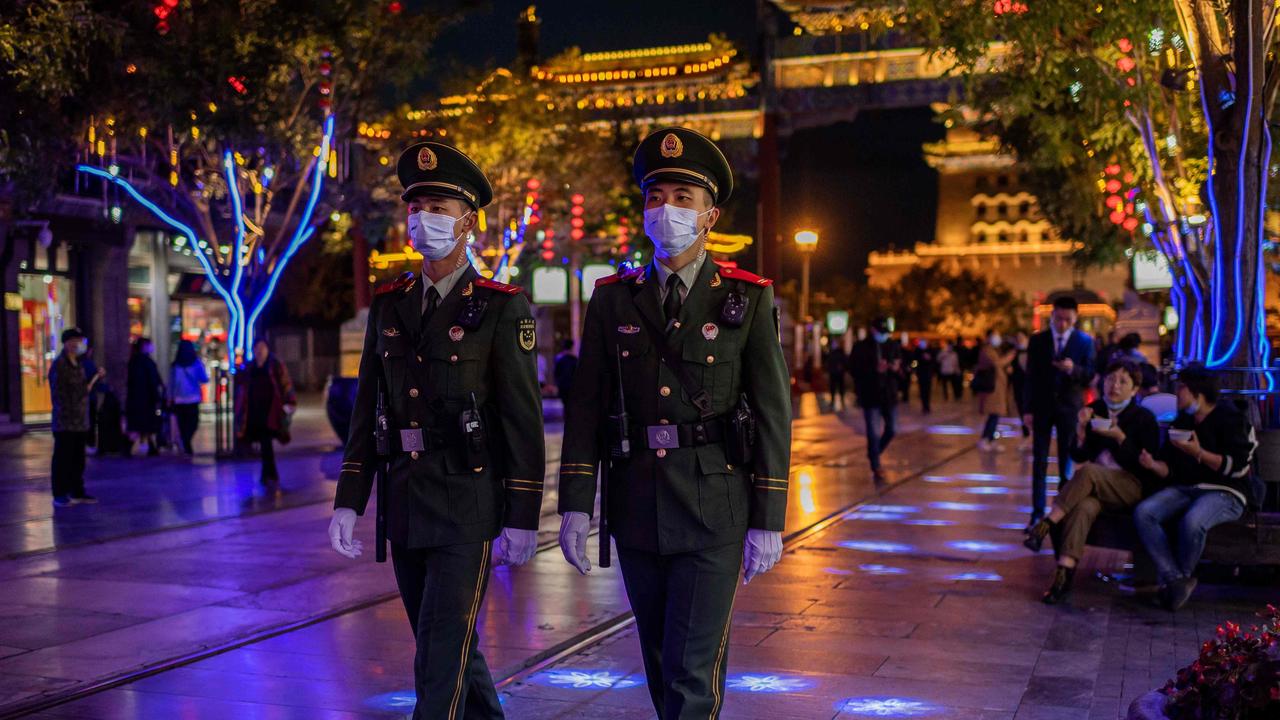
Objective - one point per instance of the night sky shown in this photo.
(863, 185)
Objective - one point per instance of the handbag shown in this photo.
(984, 381)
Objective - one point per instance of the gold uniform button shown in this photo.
(413, 423)
(413, 392)
(676, 324)
(414, 454)
(711, 359)
(386, 353)
(662, 452)
(664, 391)
(626, 353)
(728, 466)
(664, 421)
(453, 358)
(419, 358)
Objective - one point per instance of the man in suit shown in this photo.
(1060, 364)
(690, 346)
(451, 354)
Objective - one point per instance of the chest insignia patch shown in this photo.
(391, 332)
(628, 329)
(716, 281)
(456, 332)
(527, 335)
(710, 331)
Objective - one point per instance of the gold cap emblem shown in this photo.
(671, 146)
(426, 159)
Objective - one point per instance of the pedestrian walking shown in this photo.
(837, 366)
(696, 499)
(1059, 367)
(905, 369)
(69, 390)
(449, 362)
(1018, 385)
(876, 366)
(565, 366)
(949, 375)
(264, 406)
(991, 387)
(925, 364)
(187, 378)
(144, 395)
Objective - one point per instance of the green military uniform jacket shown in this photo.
(686, 498)
(436, 497)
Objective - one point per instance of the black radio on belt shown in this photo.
(743, 438)
(473, 435)
(734, 310)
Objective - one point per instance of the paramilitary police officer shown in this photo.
(453, 353)
(682, 371)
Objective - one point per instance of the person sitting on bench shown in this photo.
(1207, 463)
(1111, 434)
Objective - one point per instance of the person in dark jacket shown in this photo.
(566, 364)
(1208, 463)
(926, 366)
(69, 389)
(1111, 435)
(1059, 367)
(144, 393)
(837, 365)
(876, 365)
(264, 404)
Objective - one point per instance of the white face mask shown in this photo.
(432, 234)
(1116, 407)
(672, 229)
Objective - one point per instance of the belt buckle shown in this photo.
(662, 437)
(411, 440)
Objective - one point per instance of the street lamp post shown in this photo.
(806, 243)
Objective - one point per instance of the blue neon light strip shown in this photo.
(301, 234)
(186, 231)
(1264, 348)
(233, 189)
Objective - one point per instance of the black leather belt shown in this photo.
(694, 434)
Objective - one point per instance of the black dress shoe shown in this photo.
(1061, 586)
(1036, 534)
(1176, 594)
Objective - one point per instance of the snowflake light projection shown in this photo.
(589, 679)
(886, 707)
(878, 546)
(767, 683)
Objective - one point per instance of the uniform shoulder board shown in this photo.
(734, 273)
(500, 287)
(619, 277)
(399, 283)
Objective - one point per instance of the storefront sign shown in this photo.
(12, 301)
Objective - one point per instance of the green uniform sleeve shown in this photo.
(769, 391)
(355, 481)
(518, 402)
(584, 415)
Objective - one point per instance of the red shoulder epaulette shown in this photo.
(500, 287)
(734, 273)
(619, 277)
(399, 283)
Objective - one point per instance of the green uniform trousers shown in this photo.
(683, 605)
(443, 589)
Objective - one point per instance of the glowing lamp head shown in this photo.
(807, 240)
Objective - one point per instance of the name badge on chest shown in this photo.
(411, 440)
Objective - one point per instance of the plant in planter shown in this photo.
(1237, 676)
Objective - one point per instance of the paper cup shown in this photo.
(1180, 435)
(1100, 423)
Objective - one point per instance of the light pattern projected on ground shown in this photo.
(981, 546)
(976, 576)
(1011, 526)
(901, 509)
(880, 546)
(864, 515)
(768, 683)
(928, 522)
(886, 707)
(575, 679)
(951, 430)
(940, 479)
(837, 571)
(980, 477)
(394, 700)
(966, 507)
(875, 569)
(988, 490)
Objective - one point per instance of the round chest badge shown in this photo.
(455, 333)
(710, 331)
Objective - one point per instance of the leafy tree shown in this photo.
(1164, 105)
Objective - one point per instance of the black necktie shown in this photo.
(671, 306)
(433, 300)
(1062, 341)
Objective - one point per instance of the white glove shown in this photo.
(762, 551)
(574, 527)
(341, 527)
(516, 547)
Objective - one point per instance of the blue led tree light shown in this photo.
(240, 336)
